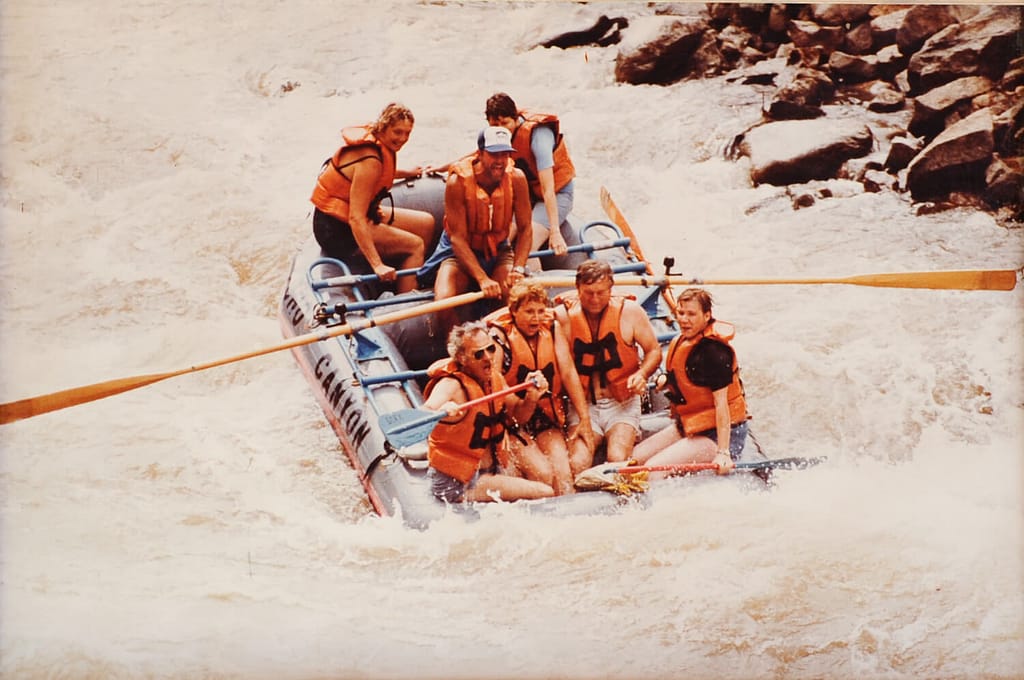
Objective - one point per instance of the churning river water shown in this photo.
(157, 159)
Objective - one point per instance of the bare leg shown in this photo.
(415, 222)
(655, 443)
(401, 249)
(620, 441)
(531, 462)
(552, 443)
(683, 451)
(450, 282)
(507, 488)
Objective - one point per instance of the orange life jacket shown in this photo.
(564, 170)
(456, 448)
(332, 190)
(606, 357)
(693, 406)
(522, 359)
(488, 216)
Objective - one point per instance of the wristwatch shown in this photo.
(519, 270)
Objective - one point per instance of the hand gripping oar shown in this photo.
(956, 279)
(616, 216)
(34, 406)
(411, 425)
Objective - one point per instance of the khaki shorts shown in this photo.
(608, 412)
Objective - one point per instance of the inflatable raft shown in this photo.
(360, 377)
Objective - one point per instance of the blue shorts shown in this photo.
(425, 274)
(447, 489)
(737, 438)
(563, 198)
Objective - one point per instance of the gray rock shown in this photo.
(852, 68)
(922, 22)
(886, 98)
(657, 50)
(884, 27)
(1004, 182)
(840, 14)
(859, 39)
(901, 151)
(955, 160)
(810, 34)
(980, 46)
(802, 96)
(792, 152)
(931, 107)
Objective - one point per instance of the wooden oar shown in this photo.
(411, 425)
(616, 216)
(955, 279)
(34, 406)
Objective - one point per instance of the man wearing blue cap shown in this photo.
(483, 194)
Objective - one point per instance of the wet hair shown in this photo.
(392, 113)
(460, 334)
(592, 271)
(702, 297)
(527, 291)
(500, 105)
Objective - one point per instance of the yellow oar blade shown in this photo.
(34, 406)
(54, 401)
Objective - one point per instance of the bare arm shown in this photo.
(571, 382)
(458, 231)
(524, 221)
(634, 317)
(446, 396)
(547, 189)
(723, 428)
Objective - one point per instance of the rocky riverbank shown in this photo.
(943, 85)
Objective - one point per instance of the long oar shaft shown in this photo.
(956, 279)
(34, 406)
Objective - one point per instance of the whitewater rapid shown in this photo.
(157, 160)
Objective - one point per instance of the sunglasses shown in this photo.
(478, 354)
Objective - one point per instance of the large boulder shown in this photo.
(980, 46)
(802, 96)
(922, 22)
(955, 160)
(852, 68)
(931, 107)
(1004, 182)
(658, 50)
(811, 34)
(884, 27)
(840, 14)
(793, 152)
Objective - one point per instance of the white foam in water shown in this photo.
(157, 164)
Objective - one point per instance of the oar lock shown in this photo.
(327, 315)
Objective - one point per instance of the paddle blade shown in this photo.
(961, 279)
(606, 477)
(781, 464)
(409, 426)
(54, 401)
